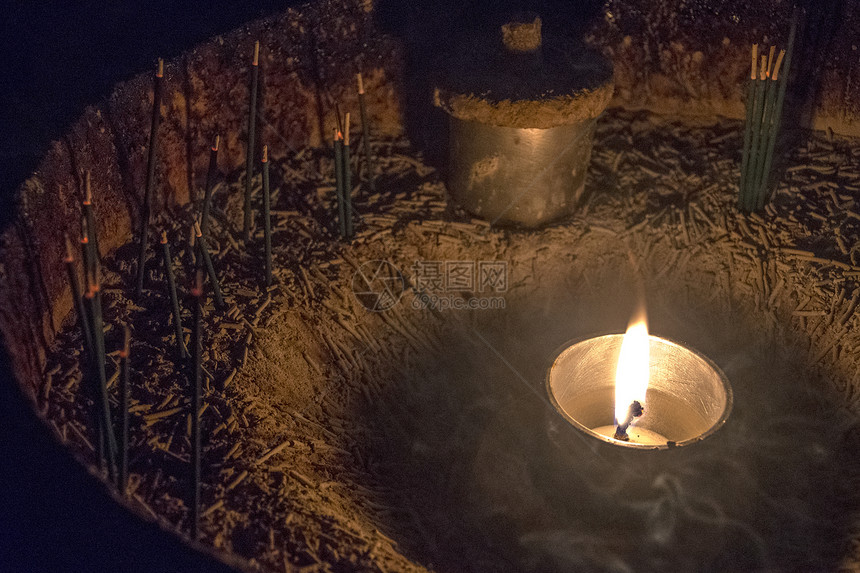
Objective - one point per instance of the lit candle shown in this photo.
(631, 387)
(638, 390)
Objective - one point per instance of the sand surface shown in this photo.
(340, 438)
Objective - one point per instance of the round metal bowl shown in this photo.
(518, 176)
(688, 399)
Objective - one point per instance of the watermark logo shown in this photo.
(443, 285)
(454, 276)
(378, 285)
(438, 285)
(444, 302)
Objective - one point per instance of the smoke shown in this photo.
(499, 481)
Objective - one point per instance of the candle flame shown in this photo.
(631, 376)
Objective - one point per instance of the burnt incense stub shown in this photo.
(523, 107)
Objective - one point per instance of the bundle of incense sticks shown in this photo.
(764, 100)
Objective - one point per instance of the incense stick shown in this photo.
(210, 182)
(761, 87)
(197, 350)
(89, 216)
(210, 268)
(365, 136)
(146, 209)
(89, 379)
(338, 182)
(191, 251)
(86, 257)
(123, 405)
(83, 319)
(174, 300)
(267, 221)
(102, 401)
(249, 154)
(347, 180)
(751, 93)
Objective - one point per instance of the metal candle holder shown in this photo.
(689, 398)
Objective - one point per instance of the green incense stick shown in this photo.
(210, 182)
(750, 100)
(756, 135)
(267, 222)
(89, 379)
(90, 217)
(174, 299)
(197, 351)
(123, 405)
(210, 268)
(94, 296)
(347, 180)
(83, 319)
(365, 136)
(191, 251)
(249, 154)
(338, 182)
(146, 210)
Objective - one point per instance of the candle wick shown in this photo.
(634, 411)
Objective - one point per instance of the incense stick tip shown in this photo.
(197, 287)
(256, 53)
(160, 72)
(754, 61)
(126, 341)
(70, 257)
(265, 154)
(346, 129)
(777, 65)
(360, 84)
